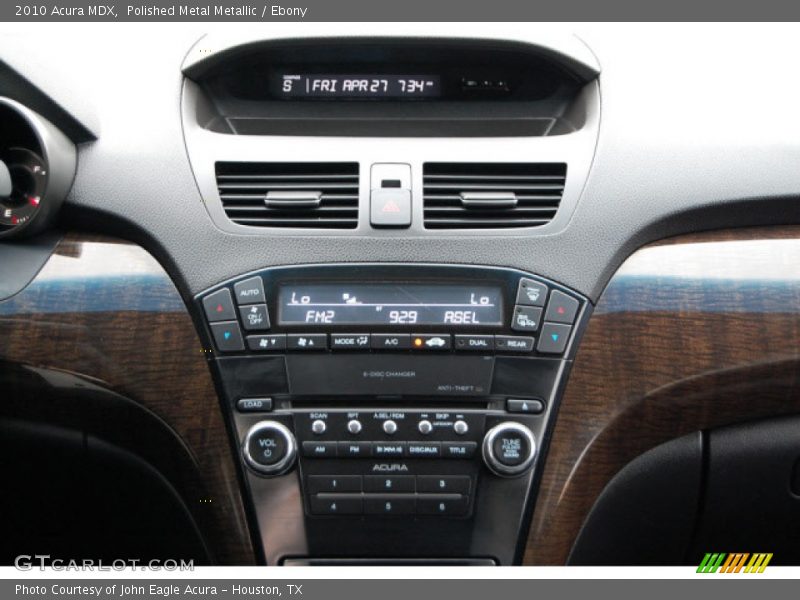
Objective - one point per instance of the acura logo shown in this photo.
(385, 467)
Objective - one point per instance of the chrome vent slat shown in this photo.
(494, 177)
(243, 189)
(283, 211)
(465, 186)
(286, 176)
(280, 185)
(538, 188)
(518, 211)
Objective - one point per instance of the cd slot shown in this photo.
(396, 374)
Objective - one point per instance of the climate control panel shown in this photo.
(391, 411)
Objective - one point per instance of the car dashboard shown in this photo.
(480, 295)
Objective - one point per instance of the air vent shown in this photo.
(314, 195)
(491, 195)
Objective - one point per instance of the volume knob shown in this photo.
(269, 448)
(509, 449)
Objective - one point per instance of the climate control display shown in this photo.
(390, 304)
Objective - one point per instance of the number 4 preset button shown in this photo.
(337, 504)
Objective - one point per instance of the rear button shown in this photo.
(513, 343)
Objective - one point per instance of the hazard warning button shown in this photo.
(390, 208)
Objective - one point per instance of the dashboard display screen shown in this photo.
(390, 304)
(305, 85)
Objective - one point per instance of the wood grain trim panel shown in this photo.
(693, 332)
(106, 309)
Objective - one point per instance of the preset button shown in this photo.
(336, 504)
(394, 483)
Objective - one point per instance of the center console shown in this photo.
(391, 412)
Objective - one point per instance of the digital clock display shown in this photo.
(390, 304)
(305, 85)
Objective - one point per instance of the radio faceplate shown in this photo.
(363, 435)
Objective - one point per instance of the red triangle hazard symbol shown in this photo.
(390, 207)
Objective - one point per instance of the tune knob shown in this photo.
(269, 448)
(509, 449)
